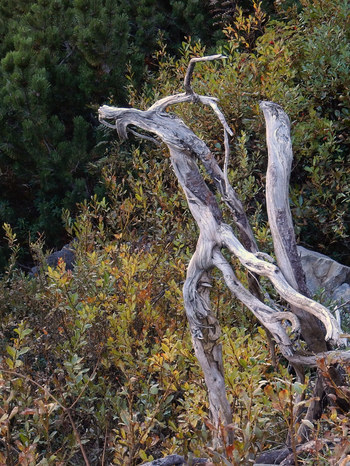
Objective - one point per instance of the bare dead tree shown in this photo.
(317, 325)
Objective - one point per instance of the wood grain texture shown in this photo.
(186, 152)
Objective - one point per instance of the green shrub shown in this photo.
(303, 65)
(96, 362)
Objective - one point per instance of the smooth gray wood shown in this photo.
(280, 157)
(186, 151)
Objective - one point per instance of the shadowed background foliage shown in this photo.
(104, 348)
(60, 60)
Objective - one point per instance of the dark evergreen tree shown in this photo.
(60, 60)
(40, 154)
(101, 36)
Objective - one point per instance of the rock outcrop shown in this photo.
(66, 253)
(322, 272)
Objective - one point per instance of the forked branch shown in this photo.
(186, 150)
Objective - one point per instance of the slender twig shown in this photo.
(105, 123)
(86, 384)
(64, 408)
(336, 308)
(143, 136)
(104, 447)
(227, 156)
(70, 51)
(190, 68)
(291, 428)
(211, 102)
(77, 436)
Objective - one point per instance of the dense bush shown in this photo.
(60, 60)
(96, 362)
(302, 64)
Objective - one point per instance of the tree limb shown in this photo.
(186, 150)
(280, 156)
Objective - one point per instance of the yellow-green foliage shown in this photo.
(97, 361)
(101, 357)
(302, 62)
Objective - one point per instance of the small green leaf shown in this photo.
(24, 439)
(26, 332)
(11, 351)
(10, 363)
(154, 389)
(23, 350)
(143, 455)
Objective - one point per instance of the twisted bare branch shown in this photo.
(186, 150)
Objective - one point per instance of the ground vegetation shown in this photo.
(96, 362)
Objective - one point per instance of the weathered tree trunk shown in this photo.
(186, 150)
(280, 217)
(280, 156)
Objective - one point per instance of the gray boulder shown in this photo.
(66, 253)
(322, 272)
(342, 293)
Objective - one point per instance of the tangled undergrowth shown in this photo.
(97, 363)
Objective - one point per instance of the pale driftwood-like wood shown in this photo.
(280, 157)
(177, 460)
(186, 150)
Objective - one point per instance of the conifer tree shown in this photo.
(40, 153)
(60, 60)
(101, 36)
